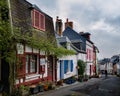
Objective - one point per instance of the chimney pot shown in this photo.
(67, 20)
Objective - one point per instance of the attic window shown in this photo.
(38, 20)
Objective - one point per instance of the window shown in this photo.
(31, 64)
(68, 66)
(42, 61)
(38, 20)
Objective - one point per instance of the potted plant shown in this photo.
(46, 86)
(34, 89)
(60, 82)
(51, 86)
(80, 78)
(24, 90)
(86, 77)
(41, 87)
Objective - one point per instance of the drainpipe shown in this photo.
(11, 27)
(10, 15)
(0, 66)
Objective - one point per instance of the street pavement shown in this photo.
(103, 86)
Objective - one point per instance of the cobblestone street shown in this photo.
(93, 87)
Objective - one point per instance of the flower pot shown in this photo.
(34, 90)
(41, 88)
(46, 87)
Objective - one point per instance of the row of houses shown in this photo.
(36, 66)
(112, 65)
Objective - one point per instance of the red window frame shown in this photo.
(31, 60)
(42, 68)
(38, 20)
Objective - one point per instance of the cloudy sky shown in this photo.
(99, 17)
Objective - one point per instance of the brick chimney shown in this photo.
(59, 26)
(85, 35)
(68, 23)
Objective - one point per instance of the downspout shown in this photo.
(11, 28)
(10, 16)
(0, 66)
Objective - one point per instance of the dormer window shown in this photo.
(38, 20)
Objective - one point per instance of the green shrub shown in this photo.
(81, 67)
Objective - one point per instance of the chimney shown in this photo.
(85, 35)
(68, 23)
(59, 26)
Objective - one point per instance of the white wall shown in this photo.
(81, 56)
(102, 67)
(118, 68)
(68, 74)
(109, 67)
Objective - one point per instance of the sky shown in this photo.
(101, 18)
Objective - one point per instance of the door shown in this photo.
(5, 75)
(50, 68)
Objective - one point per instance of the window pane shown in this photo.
(36, 19)
(27, 60)
(42, 61)
(32, 63)
(42, 21)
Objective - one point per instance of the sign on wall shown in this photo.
(20, 49)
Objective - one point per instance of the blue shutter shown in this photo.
(65, 66)
(71, 67)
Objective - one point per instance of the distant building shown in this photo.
(105, 64)
(115, 61)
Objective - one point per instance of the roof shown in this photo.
(34, 6)
(63, 39)
(104, 61)
(75, 37)
(72, 35)
(114, 59)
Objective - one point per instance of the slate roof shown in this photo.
(72, 35)
(63, 39)
(114, 59)
(75, 37)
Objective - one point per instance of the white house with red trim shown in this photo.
(33, 65)
(89, 54)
